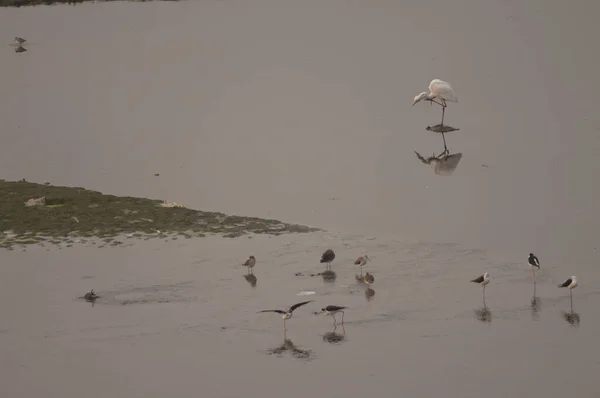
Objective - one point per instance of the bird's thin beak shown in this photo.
(414, 102)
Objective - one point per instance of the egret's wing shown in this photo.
(442, 89)
(293, 307)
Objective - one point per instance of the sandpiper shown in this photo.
(332, 310)
(287, 314)
(369, 279)
(19, 40)
(328, 257)
(362, 261)
(533, 262)
(250, 263)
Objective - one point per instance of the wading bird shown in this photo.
(361, 262)
(328, 257)
(287, 314)
(369, 279)
(533, 262)
(332, 310)
(250, 263)
(483, 280)
(438, 90)
(19, 41)
(571, 283)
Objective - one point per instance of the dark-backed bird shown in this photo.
(250, 263)
(533, 262)
(571, 283)
(482, 280)
(332, 310)
(19, 40)
(369, 279)
(327, 258)
(287, 314)
(362, 261)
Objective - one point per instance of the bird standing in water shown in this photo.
(332, 310)
(438, 90)
(483, 280)
(19, 41)
(250, 263)
(533, 262)
(361, 262)
(287, 314)
(327, 258)
(369, 279)
(571, 283)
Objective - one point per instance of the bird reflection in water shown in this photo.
(333, 337)
(20, 49)
(536, 306)
(572, 317)
(483, 315)
(251, 279)
(288, 347)
(443, 164)
(369, 294)
(442, 129)
(328, 276)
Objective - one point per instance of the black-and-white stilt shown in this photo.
(361, 262)
(250, 263)
(571, 283)
(483, 280)
(332, 310)
(327, 258)
(369, 279)
(533, 262)
(288, 313)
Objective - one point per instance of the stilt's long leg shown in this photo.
(342, 317)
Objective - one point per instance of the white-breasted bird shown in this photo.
(287, 314)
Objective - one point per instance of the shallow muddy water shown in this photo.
(301, 112)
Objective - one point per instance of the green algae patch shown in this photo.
(67, 213)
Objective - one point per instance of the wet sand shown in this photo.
(301, 112)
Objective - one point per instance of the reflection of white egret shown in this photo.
(438, 90)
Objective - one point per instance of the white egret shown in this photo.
(438, 90)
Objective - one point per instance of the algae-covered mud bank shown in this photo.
(22, 3)
(34, 213)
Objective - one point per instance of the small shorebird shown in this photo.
(332, 310)
(483, 280)
(533, 262)
(287, 314)
(438, 90)
(250, 263)
(361, 262)
(571, 283)
(90, 297)
(19, 41)
(328, 257)
(369, 279)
